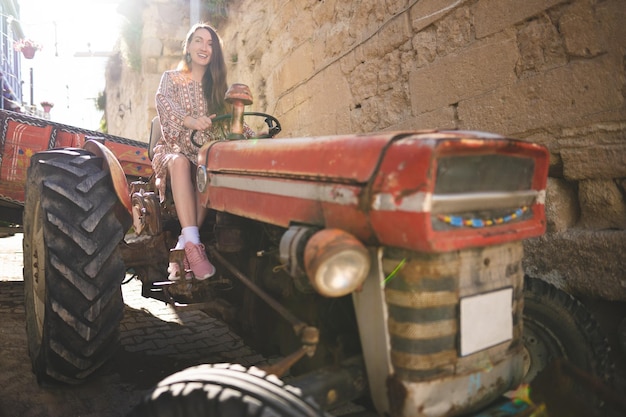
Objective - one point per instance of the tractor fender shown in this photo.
(112, 165)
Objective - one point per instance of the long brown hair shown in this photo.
(214, 84)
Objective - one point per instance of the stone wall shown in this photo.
(548, 71)
(130, 91)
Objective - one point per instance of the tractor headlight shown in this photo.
(335, 262)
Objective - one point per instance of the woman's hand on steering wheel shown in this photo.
(199, 123)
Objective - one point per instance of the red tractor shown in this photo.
(384, 266)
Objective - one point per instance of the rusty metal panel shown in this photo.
(343, 159)
(383, 188)
(21, 136)
(423, 294)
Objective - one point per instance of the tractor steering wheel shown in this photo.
(272, 123)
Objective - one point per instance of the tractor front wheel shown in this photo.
(225, 390)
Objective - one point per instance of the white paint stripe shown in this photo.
(415, 203)
(335, 193)
(341, 194)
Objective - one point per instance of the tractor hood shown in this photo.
(427, 190)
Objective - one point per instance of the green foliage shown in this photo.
(101, 101)
(215, 11)
(103, 125)
(132, 30)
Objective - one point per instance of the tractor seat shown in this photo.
(155, 135)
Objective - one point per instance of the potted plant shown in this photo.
(46, 106)
(28, 47)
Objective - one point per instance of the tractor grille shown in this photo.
(424, 304)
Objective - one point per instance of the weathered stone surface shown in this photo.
(612, 15)
(491, 16)
(540, 47)
(151, 47)
(561, 205)
(581, 262)
(425, 45)
(394, 34)
(549, 71)
(425, 12)
(602, 205)
(581, 30)
(596, 152)
(295, 69)
(441, 118)
(328, 97)
(466, 74)
(554, 98)
(398, 107)
(390, 72)
(454, 31)
(364, 82)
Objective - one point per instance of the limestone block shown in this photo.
(296, 68)
(425, 46)
(540, 47)
(602, 205)
(150, 65)
(328, 109)
(407, 57)
(612, 15)
(558, 97)
(581, 262)
(390, 71)
(348, 62)
(395, 106)
(454, 31)
(166, 63)
(365, 117)
(364, 82)
(474, 71)
(581, 31)
(593, 158)
(172, 14)
(441, 118)
(172, 47)
(369, 15)
(396, 32)
(397, 6)
(332, 11)
(491, 16)
(561, 205)
(425, 12)
(336, 40)
(151, 47)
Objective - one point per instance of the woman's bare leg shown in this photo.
(189, 216)
(183, 191)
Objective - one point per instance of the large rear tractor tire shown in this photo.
(224, 390)
(72, 266)
(557, 326)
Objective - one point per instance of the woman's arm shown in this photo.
(171, 114)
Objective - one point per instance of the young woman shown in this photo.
(186, 101)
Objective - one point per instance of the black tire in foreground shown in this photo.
(224, 390)
(557, 326)
(72, 266)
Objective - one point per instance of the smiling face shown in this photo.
(200, 47)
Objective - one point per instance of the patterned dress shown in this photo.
(179, 96)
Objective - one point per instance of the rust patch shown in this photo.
(396, 393)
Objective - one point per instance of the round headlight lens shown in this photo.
(336, 262)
